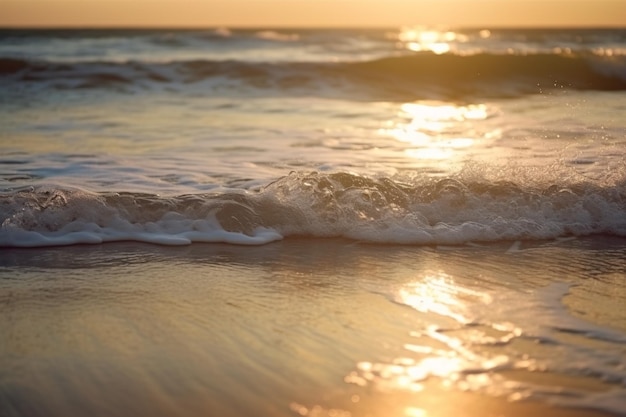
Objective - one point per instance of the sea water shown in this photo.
(395, 136)
(448, 139)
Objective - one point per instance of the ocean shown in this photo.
(338, 222)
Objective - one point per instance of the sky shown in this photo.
(311, 13)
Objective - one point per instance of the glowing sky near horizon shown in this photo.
(311, 13)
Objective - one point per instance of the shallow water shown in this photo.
(314, 328)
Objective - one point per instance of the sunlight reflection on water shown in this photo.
(419, 39)
(436, 131)
(449, 353)
(439, 294)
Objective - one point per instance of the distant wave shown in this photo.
(429, 211)
(485, 75)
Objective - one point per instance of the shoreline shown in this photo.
(304, 327)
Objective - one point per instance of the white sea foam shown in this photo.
(24, 238)
(52, 216)
(449, 211)
(446, 211)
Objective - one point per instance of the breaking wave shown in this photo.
(431, 211)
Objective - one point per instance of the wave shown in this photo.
(454, 210)
(489, 75)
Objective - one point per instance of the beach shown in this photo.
(409, 221)
(314, 328)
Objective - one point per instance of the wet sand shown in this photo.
(313, 328)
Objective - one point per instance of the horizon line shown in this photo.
(307, 27)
